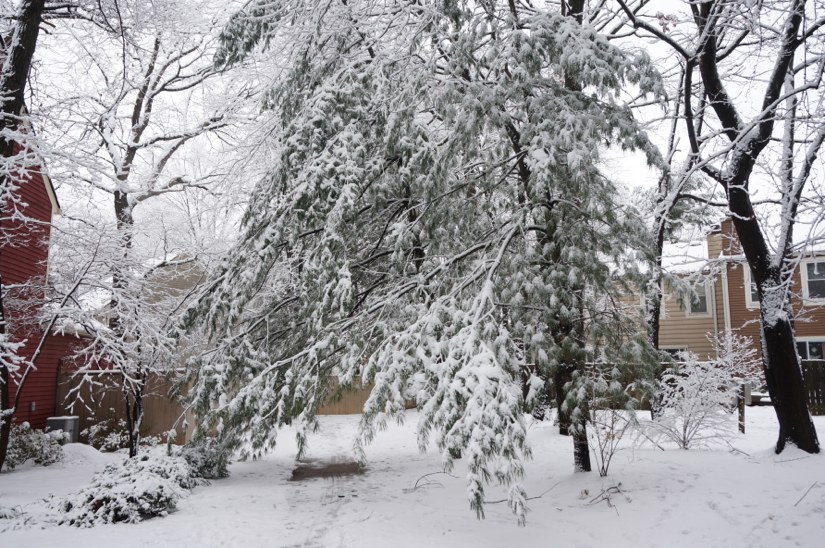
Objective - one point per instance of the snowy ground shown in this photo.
(748, 497)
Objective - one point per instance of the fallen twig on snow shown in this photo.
(606, 494)
(806, 492)
(419, 484)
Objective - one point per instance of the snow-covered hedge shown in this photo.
(207, 459)
(112, 434)
(136, 489)
(149, 485)
(26, 443)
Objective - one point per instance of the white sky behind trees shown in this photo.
(69, 88)
(208, 220)
(745, 82)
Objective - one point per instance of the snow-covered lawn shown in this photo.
(747, 497)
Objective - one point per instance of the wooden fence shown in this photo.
(814, 373)
(98, 398)
(101, 400)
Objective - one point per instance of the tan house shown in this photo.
(723, 298)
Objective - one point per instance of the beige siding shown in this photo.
(715, 245)
(174, 280)
(680, 329)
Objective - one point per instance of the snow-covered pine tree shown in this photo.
(434, 221)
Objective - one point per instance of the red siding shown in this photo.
(26, 256)
(23, 257)
(41, 386)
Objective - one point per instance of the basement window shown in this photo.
(811, 350)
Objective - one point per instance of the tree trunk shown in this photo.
(581, 448)
(653, 315)
(783, 372)
(782, 369)
(19, 54)
(134, 419)
(787, 388)
(6, 413)
(563, 375)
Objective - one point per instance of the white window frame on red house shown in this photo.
(803, 275)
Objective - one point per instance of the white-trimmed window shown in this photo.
(699, 300)
(751, 293)
(813, 279)
(810, 348)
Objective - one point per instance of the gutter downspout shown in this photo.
(725, 297)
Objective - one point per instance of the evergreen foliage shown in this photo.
(131, 491)
(435, 223)
(44, 448)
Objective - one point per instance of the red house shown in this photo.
(24, 254)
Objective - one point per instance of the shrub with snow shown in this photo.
(697, 398)
(611, 404)
(136, 489)
(207, 458)
(111, 434)
(107, 435)
(27, 443)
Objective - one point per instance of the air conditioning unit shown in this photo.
(69, 424)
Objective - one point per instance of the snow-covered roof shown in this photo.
(684, 257)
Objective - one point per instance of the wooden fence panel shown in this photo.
(101, 399)
(814, 373)
(351, 402)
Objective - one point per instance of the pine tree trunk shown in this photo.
(564, 374)
(581, 447)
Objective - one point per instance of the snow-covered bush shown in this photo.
(611, 404)
(697, 398)
(112, 434)
(207, 458)
(108, 435)
(738, 355)
(607, 428)
(136, 489)
(27, 443)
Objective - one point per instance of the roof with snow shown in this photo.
(684, 257)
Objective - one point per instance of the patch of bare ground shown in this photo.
(326, 469)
